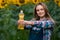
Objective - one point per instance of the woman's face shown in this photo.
(40, 11)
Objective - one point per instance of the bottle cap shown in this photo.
(21, 11)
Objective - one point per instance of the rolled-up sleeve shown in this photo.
(27, 26)
(44, 24)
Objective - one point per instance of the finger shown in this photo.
(18, 21)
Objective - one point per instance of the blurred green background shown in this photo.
(9, 18)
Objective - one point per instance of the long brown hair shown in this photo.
(47, 15)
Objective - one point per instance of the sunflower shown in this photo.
(2, 3)
(18, 2)
(57, 2)
(2, 6)
(26, 1)
(8, 1)
(14, 1)
(35, 1)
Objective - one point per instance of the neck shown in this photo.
(42, 18)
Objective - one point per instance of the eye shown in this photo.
(41, 9)
(37, 10)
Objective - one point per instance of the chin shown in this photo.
(41, 15)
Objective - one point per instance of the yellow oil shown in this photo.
(21, 17)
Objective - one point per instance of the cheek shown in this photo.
(43, 11)
(37, 12)
(41, 14)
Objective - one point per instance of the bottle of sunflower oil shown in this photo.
(21, 17)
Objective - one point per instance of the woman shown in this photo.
(41, 25)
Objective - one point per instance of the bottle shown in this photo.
(21, 17)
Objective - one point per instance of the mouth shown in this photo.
(40, 14)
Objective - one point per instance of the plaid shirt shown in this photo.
(42, 28)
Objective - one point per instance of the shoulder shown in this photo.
(50, 22)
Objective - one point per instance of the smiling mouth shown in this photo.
(40, 13)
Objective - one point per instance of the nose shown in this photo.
(39, 10)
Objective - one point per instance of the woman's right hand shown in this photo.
(20, 21)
